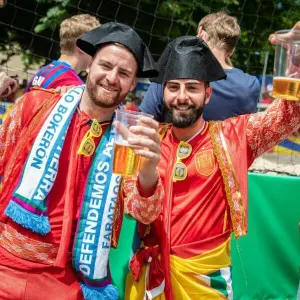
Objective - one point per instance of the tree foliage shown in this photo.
(30, 28)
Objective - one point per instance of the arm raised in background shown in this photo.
(267, 129)
(289, 36)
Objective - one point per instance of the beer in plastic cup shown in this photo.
(286, 79)
(126, 162)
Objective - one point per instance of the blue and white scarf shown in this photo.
(28, 205)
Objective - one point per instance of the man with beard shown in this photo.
(185, 252)
(60, 203)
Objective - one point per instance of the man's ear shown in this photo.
(202, 34)
(79, 50)
(208, 92)
(199, 32)
(133, 85)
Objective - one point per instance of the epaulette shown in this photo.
(36, 88)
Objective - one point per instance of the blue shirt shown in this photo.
(237, 95)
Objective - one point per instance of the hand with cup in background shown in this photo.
(273, 40)
(7, 85)
(137, 148)
(286, 80)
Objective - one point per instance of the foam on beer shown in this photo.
(286, 78)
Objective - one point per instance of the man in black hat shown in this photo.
(60, 203)
(203, 167)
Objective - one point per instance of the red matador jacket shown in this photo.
(235, 143)
(17, 135)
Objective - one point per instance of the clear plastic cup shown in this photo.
(126, 162)
(286, 79)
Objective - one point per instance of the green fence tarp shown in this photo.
(266, 261)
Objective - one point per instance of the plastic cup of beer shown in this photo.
(286, 79)
(126, 162)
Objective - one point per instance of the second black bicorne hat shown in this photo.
(114, 32)
(188, 57)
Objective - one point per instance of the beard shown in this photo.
(100, 97)
(184, 119)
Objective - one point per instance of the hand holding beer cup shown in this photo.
(137, 143)
(286, 80)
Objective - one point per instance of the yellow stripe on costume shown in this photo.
(135, 290)
(188, 276)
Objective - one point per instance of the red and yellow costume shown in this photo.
(27, 258)
(185, 253)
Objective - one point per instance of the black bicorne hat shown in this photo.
(114, 32)
(188, 57)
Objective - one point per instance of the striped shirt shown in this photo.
(55, 74)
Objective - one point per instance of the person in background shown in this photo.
(3, 3)
(237, 95)
(72, 60)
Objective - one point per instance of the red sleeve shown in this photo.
(266, 129)
(145, 210)
(10, 131)
(18, 118)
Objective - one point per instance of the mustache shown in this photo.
(112, 87)
(107, 85)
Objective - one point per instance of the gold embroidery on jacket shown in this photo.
(233, 194)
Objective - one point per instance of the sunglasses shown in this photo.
(184, 150)
(87, 146)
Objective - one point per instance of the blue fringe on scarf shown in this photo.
(107, 292)
(38, 224)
